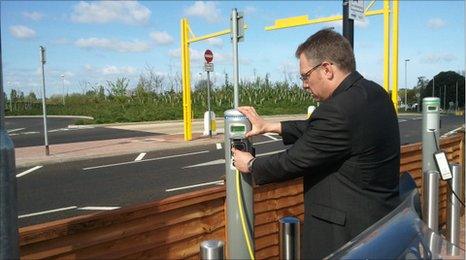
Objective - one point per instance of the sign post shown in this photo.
(44, 109)
(356, 10)
(208, 67)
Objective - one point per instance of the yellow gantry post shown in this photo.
(304, 20)
(186, 80)
(386, 45)
(395, 56)
(186, 71)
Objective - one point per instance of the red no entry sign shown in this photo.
(208, 56)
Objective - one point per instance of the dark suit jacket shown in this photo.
(348, 154)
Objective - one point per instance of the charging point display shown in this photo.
(240, 214)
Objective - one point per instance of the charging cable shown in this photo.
(242, 216)
(449, 184)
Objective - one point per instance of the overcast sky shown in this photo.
(91, 41)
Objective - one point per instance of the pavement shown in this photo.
(168, 135)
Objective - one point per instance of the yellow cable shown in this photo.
(241, 213)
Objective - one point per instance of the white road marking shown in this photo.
(98, 208)
(140, 156)
(270, 136)
(64, 129)
(27, 133)
(14, 130)
(57, 130)
(29, 171)
(453, 131)
(46, 212)
(197, 185)
(214, 162)
(219, 146)
(402, 120)
(222, 161)
(80, 126)
(269, 153)
(152, 159)
(268, 141)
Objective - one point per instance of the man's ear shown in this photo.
(329, 72)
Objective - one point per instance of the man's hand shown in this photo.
(259, 125)
(241, 160)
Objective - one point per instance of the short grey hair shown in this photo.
(328, 45)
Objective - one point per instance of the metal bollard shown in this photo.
(453, 215)
(289, 238)
(431, 198)
(212, 249)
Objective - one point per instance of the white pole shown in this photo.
(44, 109)
(406, 84)
(208, 105)
(456, 96)
(433, 86)
(444, 97)
(11, 106)
(234, 29)
(63, 89)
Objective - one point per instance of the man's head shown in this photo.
(325, 59)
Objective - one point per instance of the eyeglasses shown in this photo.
(306, 75)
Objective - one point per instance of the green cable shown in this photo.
(241, 213)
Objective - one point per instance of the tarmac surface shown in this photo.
(166, 135)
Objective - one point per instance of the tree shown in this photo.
(150, 81)
(445, 88)
(118, 90)
(119, 87)
(201, 85)
(13, 98)
(227, 81)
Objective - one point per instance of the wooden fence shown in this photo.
(174, 227)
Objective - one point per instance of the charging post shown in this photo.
(236, 126)
(240, 198)
(430, 175)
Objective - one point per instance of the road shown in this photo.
(29, 131)
(68, 189)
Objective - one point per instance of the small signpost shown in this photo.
(209, 67)
(356, 10)
(208, 56)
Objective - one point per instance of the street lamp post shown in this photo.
(456, 104)
(433, 86)
(11, 106)
(406, 84)
(63, 88)
(444, 97)
(44, 110)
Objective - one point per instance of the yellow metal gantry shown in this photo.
(186, 71)
(304, 20)
(395, 55)
(186, 80)
(294, 22)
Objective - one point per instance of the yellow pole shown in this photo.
(185, 74)
(395, 55)
(386, 44)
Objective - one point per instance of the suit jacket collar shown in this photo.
(347, 82)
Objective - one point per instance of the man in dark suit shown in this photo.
(348, 151)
